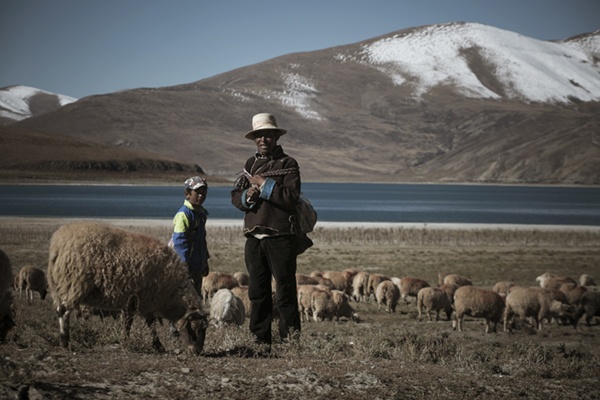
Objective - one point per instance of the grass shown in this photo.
(383, 356)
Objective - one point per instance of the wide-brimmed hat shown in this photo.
(195, 182)
(264, 121)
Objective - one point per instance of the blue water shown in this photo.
(343, 202)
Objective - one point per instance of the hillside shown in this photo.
(445, 103)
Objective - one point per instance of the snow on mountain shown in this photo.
(15, 101)
(526, 69)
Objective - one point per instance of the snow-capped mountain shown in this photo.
(20, 102)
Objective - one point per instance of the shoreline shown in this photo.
(233, 223)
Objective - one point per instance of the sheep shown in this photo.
(589, 304)
(242, 293)
(337, 279)
(573, 293)
(372, 283)
(434, 299)
(215, 281)
(360, 286)
(242, 278)
(387, 293)
(327, 304)
(477, 303)
(227, 309)
(32, 279)
(552, 281)
(454, 279)
(502, 287)
(108, 268)
(586, 280)
(349, 274)
(304, 299)
(449, 289)
(410, 287)
(536, 303)
(6, 298)
(302, 279)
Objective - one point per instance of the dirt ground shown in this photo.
(383, 356)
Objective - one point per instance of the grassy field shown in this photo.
(382, 356)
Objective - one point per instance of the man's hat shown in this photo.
(195, 183)
(264, 121)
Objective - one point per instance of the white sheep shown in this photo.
(327, 304)
(552, 281)
(107, 268)
(6, 298)
(502, 287)
(215, 281)
(410, 286)
(536, 303)
(32, 279)
(477, 303)
(387, 293)
(586, 280)
(434, 299)
(360, 286)
(227, 309)
(373, 281)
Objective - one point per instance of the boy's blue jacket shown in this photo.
(189, 236)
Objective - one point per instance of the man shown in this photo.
(268, 193)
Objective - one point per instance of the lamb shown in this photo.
(242, 278)
(502, 287)
(552, 281)
(449, 289)
(434, 299)
(337, 279)
(32, 279)
(454, 279)
(6, 298)
(536, 303)
(302, 279)
(215, 281)
(477, 303)
(387, 293)
(360, 286)
(327, 304)
(410, 287)
(349, 274)
(242, 293)
(227, 309)
(107, 268)
(304, 299)
(586, 280)
(589, 304)
(573, 293)
(372, 283)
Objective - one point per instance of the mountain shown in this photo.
(20, 102)
(458, 102)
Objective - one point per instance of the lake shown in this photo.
(335, 202)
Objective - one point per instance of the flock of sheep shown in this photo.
(97, 266)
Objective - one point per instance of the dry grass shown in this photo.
(383, 356)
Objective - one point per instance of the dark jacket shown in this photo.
(273, 213)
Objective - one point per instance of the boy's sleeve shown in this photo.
(180, 241)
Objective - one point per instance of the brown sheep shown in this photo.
(434, 299)
(589, 304)
(573, 293)
(536, 303)
(477, 303)
(6, 298)
(502, 287)
(372, 283)
(215, 281)
(327, 304)
(552, 281)
(387, 293)
(304, 300)
(337, 279)
(586, 280)
(32, 279)
(107, 268)
(242, 278)
(360, 286)
(242, 293)
(449, 289)
(410, 287)
(349, 274)
(302, 279)
(454, 279)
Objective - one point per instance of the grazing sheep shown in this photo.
(302, 279)
(6, 298)
(449, 289)
(242, 293)
(337, 279)
(536, 303)
(327, 304)
(454, 279)
(573, 293)
(502, 287)
(349, 274)
(552, 281)
(242, 278)
(214, 281)
(360, 286)
(410, 287)
(387, 293)
(434, 299)
(372, 283)
(477, 303)
(304, 300)
(227, 309)
(589, 304)
(108, 268)
(586, 280)
(32, 279)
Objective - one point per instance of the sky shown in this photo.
(80, 48)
